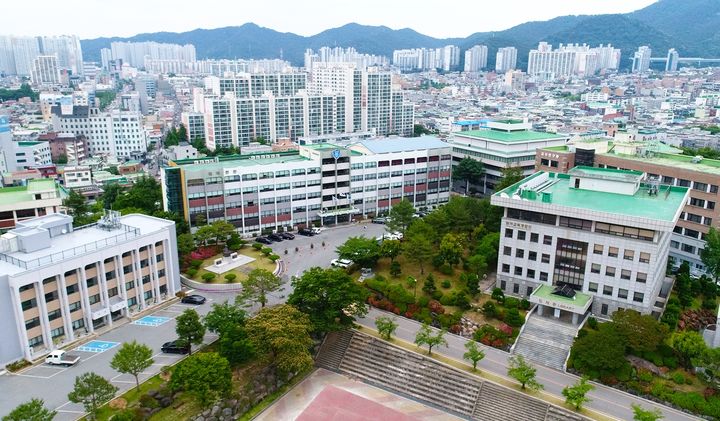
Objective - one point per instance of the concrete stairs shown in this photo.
(545, 341)
(500, 403)
(333, 349)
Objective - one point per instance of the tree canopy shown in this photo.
(132, 358)
(361, 250)
(710, 255)
(600, 352)
(91, 390)
(523, 372)
(511, 175)
(468, 170)
(145, 194)
(576, 395)
(32, 410)
(189, 328)
(258, 284)
(642, 333)
(224, 316)
(400, 216)
(206, 375)
(425, 336)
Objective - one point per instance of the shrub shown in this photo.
(230, 277)
(377, 283)
(423, 302)
(524, 304)
(678, 378)
(462, 300)
(273, 257)
(424, 316)
(446, 284)
(709, 304)
(645, 376)
(195, 263)
(437, 295)
(147, 401)
(670, 362)
(447, 300)
(489, 309)
(395, 269)
(436, 307)
(592, 323)
(397, 294)
(512, 318)
(266, 251)
(257, 246)
(488, 335)
(17, 365)
(207, 277)
(191, 272)
(429, 285)
(511, 302)
(446, 269)
(498, 295)
(438, 261)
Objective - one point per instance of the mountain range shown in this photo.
(690, 26)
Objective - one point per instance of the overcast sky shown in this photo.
(438, 18)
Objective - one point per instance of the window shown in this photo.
(161, 273)
(516, 288)
(532, 255)
(144, 263)
(72, 289)
(613, 251)
(623, 231)
(77, 324)
(508, 233)
(581, 224)
(91, 282)
(608, 290)
(528, 291)
(593, 287)
(534, 238)
(531, 273)
(75, 306)
(644, 257)
(503, 285)
(687, 248)
(506, 268)
(57, 332)
(638, 297)
(28, 304)
(598, 249)
(38, 340)
(129, 285)
(629, 255)
(622, 293)
(545, 258)
(521, 235)
(543, 276)
(160, 257)
(519, 253)
(604, 309)
(112, 292)
(625, 274)
(518, 271)
(595, 268)
(641, 277)
(547, 240)
(94, 299)
(29, 324)
(700, 186)
(713, 189)
(610, 271)
(507, 251)
(51, 296)
(127, 269)
(145, 279)
(55, 314)
(110, 275)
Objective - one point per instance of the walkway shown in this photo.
(604, 399)
(545, 341)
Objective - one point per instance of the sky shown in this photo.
(437, 18)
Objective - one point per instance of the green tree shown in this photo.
(205, 375)
(361, 250)
(224, 316)
(330, 297)
(235, 344)
(709, 360)
(182, 133)
(222, 231)
(185, 244)
(468, 170)
(576, 395)
(523, 372)
(419, 130)
(110, 195)
(689, 345)
(511, 175)
(425, 336)
(145, 194)
(478, 264)
(642, 333)
(391, 249)
(451, 248)
(600, 352)
(385, 327)
(283, 333)
(91, 390)
(473, 353)
(641, 414)
(418, 249)
(132, 358)
(204, 234)
(710, 255)
(62, 159)
(400, 216)
(258, 284)
(77, 207)
(189, 328)
(32, 410)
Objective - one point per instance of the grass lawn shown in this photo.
(241, 272)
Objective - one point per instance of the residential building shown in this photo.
(324, 183)
(446, 58)
(135, 53)
(45, 71)
(59, 283)
(66, 145)
(476, 58)
(37, 197)
(339, 55)
(592, 240)
(566, 60)
(641, 59)
(182, 151)
(194, 125)
(505, 59)
(66, 49)
(17, 54)
(77, 177)
(505, 143)
(608, 57)
(671, 64)
(20, 155)
(24, 50)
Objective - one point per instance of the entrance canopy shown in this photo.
(544, 295)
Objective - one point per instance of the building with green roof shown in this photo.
(39, 197)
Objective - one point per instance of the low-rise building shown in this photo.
(66, 145)
(39, 197)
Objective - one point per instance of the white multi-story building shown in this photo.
(67, 49)
(571, 60)
(505, 59)
(608, 57)
(592, 240)
(339, 55)
(45, 71)
(77, 177)
(641, 59)
(446, 58)
(115, 132)
(24, 49)
(37, 197)
(18, 53)
(671, 64)
(194, 125)
(59, 283)
(476, 58)
(134, 53)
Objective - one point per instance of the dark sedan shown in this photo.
(275, 237)
(306, 232)
(175, 347)
(193, 299)
(263, 240)
(287, 236)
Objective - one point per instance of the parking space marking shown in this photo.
(97, 346)
(152, 321)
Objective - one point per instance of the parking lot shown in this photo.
(53, 383)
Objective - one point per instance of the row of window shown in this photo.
(622, 293)
(582, 224)
(534, 237)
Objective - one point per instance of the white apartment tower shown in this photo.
(45, 71)
(505, 59)
(671, 64)
(476, 58)
(641, 59)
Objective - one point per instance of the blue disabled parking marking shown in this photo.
(97, 346)
(153, 321)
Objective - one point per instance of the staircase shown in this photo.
(500, 403)
(333, 349)
(546, 341)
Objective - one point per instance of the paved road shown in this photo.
(604, 399)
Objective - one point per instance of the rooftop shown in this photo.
(10, 195)
(235, 163)
(556, 189)
(404, 144)
(546, 292)
(606, 174)
(510, 137)
(708, 166)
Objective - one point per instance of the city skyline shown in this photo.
(397, 15)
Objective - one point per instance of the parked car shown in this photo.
(263, 240)
(193, 299)
(60, 357)
(175, 347)
(275, 237)
(317, 230)
(380, 220)
(287, 236)
(306, 232)
(341, 263)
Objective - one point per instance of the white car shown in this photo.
(341, 263)
(394, 236)
(316, 230)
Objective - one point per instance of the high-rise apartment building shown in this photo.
(446, 58)
(67, 50)
(608, 57)
(45, 71)
(194, 125)
(641, 59)
(671, 64)
(571, 60)
(476, 58)
(17, 54)
(505, 59)
(25, 49)
(135, 53)
(339, 55)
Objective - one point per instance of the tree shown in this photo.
(600, 352)
(468, 170)
(330, 297)
(451, 248)
(145, 194)
(110, 195)
(642, 333)
(91, 390)
(523, 372)
(361, 250)
(206, 375)
(132, 358)
(283, 333)
(576, 395)
(473, 353)
(62, 159)
(189, 328)
(710, 255)
(400, 216)
(425, 336)
(511, 175)
(204, 234)
(418, 249)
(32, 410)
(386, 327)
(258, 284)
(77, 207)
(185, 244)
(235, 344)
(391, 249)
(222, 231)
(710, 363)
(641, 414)
(224, 316)
(688, 344)
(478, 264)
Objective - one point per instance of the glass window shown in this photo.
(613, 251)
(507, 251)
(518, 271)
(593, 287)
(608, 290)
(622, 293)
(543, 276)
(545, 258)
(598, 249)
(641, 277)
(521, 235)
(644, 257)
(595, 268)
(516, 288)
(534, 238)
(610, 271)
(532, 255)
(638, 297)
(625, 274)
(531, 273)
(519, 253)
(547, 240)
(506, 268)
(508, 233)
(629, 255)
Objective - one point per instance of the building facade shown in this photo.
(45, 71)
(476, 58)
(38, 197)
(641, 59)
(58, 284)
(589, 241)
(505, 59)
